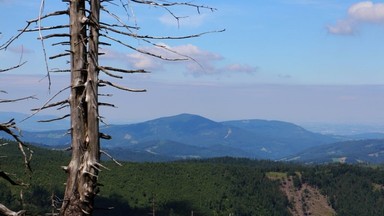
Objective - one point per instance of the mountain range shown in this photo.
(353, 151)
(191, 136)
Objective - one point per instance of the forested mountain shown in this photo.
(187, 136)
(193, 136)
(219, 186)
(354, 151)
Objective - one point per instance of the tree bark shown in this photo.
(83, 168)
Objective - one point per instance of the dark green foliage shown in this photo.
(6, 196)
(204, 188)
(218, 186)
(352, 190)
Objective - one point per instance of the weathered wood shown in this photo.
(72, 204)
(7, 212)
(84, 165)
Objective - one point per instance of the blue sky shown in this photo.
(291, 60)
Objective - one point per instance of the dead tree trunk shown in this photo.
(84, 165)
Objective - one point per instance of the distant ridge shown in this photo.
(352, 151)
(194, 136)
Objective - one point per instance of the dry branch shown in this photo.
(105, 136)
(107, 104)
(12, 39)
(7, 212)
(143, 51)
(120, 87)
(63, 43)
(59, 55)
(60, 71)
(117, 19)
(48, 105)
(159, 37)
(110, 74)
(51, 105)
(122, 70)
(55, 119)
(53, 35)
(46, 28)
(6, 177)
(170, 4)
(113, 159)
(56, 13)
(19, 99)
(7, 128)
(14, 67)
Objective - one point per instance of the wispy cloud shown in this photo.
(201, 62)
(358, 14)
(20, 49)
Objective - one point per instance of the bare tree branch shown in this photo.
(60, 71)
(121, 87)
(12, 39)
(106, 68)
(59, 55)
(63, 43)
(159, 37)
(7, 128)
(46, 105)
(105, 136)
(46, 28)
(117, 19)
(113, 159)
(143, 51)
(55, 119)
(107, 104)
(19, 99)
(170, 4)
(7, 212)
(52, 105)
(6, 177)
(56, 13)
(53, 35)
(14, 67)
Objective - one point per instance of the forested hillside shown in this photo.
(220, 186)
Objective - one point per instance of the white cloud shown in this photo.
(201, 62)
(342, 27)
(138, 60)
(367, 11)
(359, 13)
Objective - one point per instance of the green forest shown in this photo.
(219, 186)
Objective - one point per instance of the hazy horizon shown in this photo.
(289, 60)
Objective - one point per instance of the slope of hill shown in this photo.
(276, 135)
(354, 151)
